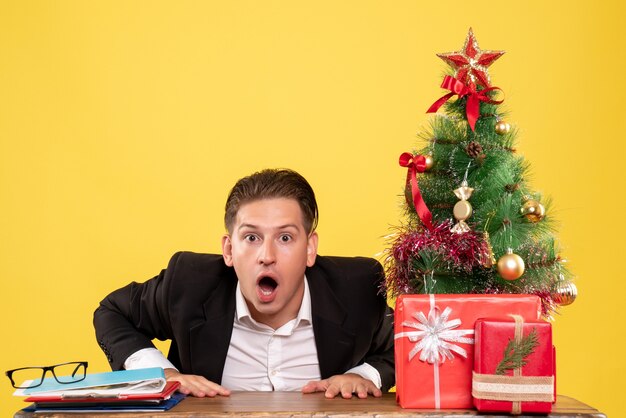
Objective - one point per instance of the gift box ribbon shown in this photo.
(434, 338)
(513, 388)
(516, 388)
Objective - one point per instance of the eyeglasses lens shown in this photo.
(27, 377)
(70, 372)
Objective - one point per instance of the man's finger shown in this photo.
(222, 391)
(368, 388)
(198, 393)
(346, 391)
(377, 393)
(192, 387)
(332, 391)
(314, 386)
(361, 391)
(210, 389)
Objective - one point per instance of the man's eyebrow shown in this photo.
(288, 226)
(252, 226)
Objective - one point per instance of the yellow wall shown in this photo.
(123, 125)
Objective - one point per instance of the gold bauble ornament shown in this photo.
(502, 127)
(429, 161)
(533, 211)
(565, 294)
(510, 266)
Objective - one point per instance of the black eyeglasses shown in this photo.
(31, 377)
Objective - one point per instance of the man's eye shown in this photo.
(250, 238)
(285, 238)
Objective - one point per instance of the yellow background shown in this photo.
(123, 124)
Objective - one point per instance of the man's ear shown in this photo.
(227, 250)
(311, 249)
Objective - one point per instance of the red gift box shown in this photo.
(499, 386)
(434, 348)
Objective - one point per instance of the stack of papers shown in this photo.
(124, 390)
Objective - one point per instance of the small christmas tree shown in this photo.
(473, 225)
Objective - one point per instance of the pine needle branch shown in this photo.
(515, 354)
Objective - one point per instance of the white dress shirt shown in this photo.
(263, 359)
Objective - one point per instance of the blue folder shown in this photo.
(148, 380)
(104, 407)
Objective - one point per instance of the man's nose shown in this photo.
(267, 253)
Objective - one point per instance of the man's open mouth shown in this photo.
(267, 285)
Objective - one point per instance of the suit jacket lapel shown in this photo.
(209, 340)
(335, 344)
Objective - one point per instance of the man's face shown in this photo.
(270, 249)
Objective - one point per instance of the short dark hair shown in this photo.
(273, 183)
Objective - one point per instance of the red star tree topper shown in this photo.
(470, 62)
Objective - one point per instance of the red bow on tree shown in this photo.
(474, 97)
(417, 164)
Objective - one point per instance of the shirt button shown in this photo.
(274, 372)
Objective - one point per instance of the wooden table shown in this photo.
(297, 405)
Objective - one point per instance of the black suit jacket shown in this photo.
(192, 302)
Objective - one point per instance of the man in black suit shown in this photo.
(268, 314)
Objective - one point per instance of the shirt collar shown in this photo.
(243, 315)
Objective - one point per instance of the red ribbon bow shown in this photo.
(416, 164)
(472, 108)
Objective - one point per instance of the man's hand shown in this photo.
(197, 386)
(346, 384)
